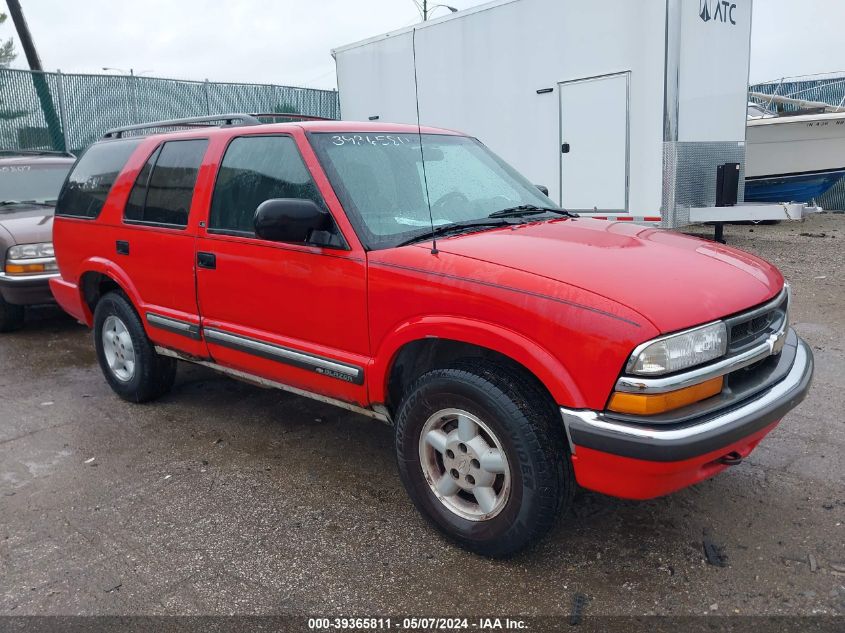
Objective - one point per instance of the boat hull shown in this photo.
(791, 188)
(795, 158)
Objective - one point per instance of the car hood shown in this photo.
(675, 281)
(28, 224)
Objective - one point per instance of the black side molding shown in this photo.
(174, 325)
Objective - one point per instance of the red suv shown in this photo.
(412, 276)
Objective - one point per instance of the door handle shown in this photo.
(122, 247)
(565, 148)
(206, 260)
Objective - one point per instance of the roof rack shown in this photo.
(290, 115)
(194, 121)
(219, 120)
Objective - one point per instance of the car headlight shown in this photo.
(31, 251)
(31, 259)
(675, 352)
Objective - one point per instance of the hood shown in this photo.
(675, 281)
(28, 224)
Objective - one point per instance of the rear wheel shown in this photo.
(482, 454)
(126, 355)
(11, 316)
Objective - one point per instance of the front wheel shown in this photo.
(126, 355)
(482, 454)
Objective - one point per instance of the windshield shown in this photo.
(756, 111)
(32, 183)
(381, 183)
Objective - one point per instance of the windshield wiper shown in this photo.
(529, 209)
(453, 229)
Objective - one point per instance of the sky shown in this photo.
(289, 41)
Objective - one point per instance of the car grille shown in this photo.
(753, 327)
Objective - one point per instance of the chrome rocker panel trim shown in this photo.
(380, 414)
(593, 429)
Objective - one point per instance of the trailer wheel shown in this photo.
(482, 455)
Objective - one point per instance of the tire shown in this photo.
(126, 355)
(11, 316)
(509, 411)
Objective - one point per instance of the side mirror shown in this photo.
(290, 220)
(543, 189)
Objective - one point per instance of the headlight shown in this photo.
(31, 251)
(680, 351)
(31, 259)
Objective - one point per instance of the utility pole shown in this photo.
(39, 81)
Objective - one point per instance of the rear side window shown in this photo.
(255, 169)
(165, 186)
(91, 180)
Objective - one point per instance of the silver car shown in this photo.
(29, 185)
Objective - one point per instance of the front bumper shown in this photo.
(641, 461)
(26, 289)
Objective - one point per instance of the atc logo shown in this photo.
(717, 11)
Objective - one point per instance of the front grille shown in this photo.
(754, 326)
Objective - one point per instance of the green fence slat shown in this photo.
(88, 105)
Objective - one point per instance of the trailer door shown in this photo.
(595, 142)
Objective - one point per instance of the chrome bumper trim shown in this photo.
(25, 278)
(741, 421)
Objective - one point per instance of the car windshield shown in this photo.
(381, 183)
(32, 183)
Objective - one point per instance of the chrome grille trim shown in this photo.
(780, 304)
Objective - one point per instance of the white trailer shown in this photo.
(622, 108)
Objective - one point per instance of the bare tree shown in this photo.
(7, 48)
(7, 56)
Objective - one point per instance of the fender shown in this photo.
(115, 273)
(546, 367)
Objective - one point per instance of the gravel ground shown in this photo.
(225, 498)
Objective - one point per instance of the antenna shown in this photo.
(434, 250)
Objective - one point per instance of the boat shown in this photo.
(793, 156)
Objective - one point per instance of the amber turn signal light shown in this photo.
(25, 269)
(654, 403)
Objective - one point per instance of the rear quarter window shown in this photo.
(164, 189)
(89, 183)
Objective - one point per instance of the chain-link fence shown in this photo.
(68, 112)
(830, 90)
